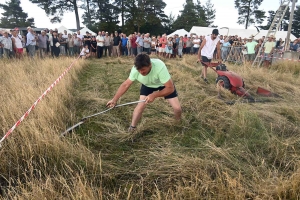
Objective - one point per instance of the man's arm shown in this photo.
(199, 51)
(121, 90)
(169, 89)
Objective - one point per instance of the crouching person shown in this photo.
(85, 52)
(156, 82)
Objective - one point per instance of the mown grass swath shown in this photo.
(218, 151)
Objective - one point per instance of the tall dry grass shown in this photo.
(218, 151)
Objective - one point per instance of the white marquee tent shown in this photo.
(62, 28)
(85, 29)
(243, 33)
(180, 32)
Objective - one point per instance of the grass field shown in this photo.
(218, 151)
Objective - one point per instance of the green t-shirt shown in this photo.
(157, 77)
(251, 47)
(269, 46)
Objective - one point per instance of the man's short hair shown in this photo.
(142, 60)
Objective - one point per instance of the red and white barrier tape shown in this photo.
(36, 102)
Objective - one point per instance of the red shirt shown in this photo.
(133, 44)
(185, 39)
(163, 42)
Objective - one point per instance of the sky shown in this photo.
(226, 13)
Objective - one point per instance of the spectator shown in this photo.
(56, 44)
(17, 44)
(140, 44)
(147, 43)
(124, 45)
(129, 44)
(85, 52)
(225, 49)
(153, 45)
(100, 43)
(62, 46)
(116, 44)
(31, 42)
(42, 39)
(180, 46)
(94, 47)
(188, 45)
(77, 44)
(169, 47)
(70, 44)
(196, 43)
(251, 46)
(294, 46)
(6, 44)
(185, 39)
(162, 42)
(133, 45)
(106, 44)
(268, 50)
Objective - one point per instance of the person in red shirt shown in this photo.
(185, 39)
(133, 45)
(162, 42)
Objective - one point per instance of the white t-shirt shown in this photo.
(65, 36)
(209, 47)
(100, 41)
(84, 51)
(81, 37)
(198, 43)
(18, 42)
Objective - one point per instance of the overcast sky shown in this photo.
(226, 14)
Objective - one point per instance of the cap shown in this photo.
(28, 27)
(16, 28)
(215, 32)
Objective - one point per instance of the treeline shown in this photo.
(145, 15)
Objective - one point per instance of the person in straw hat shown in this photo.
(251, 45)
(268, 50)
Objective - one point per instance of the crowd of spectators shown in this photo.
(52, 43)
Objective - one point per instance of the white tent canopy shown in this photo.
(243, 33)
(180, 32)
(85, 29)
(62, 29)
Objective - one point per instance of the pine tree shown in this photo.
(269, 20)
(188, 17)
(296, 22)
(210, 13)
(249, 12)
(202, 19)
(56, 9)
(13, 15)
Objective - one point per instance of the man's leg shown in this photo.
(174, 102)
(138, 111)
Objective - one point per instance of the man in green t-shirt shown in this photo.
(251, 46)
(268, 51)
(156, 82)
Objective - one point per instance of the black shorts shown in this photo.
(147, 90)
(205, 59)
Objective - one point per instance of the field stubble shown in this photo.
(218, 151)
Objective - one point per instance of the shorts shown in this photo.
(250, 57)
(266, 57)
(19, 50)
(205, 59)
(161, 49)
(147, 90)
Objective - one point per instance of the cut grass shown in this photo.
(218, 151)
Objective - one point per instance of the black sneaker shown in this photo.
(205, 80)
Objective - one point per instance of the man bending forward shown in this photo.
(156, 82)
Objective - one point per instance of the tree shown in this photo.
(249, 12)
(296, 22)
(188, 17)
(269, 20)
(13, 15)
(168, 25)
(210, 13)
(56, 9)
(201, 14)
